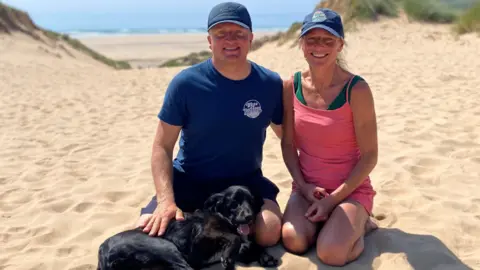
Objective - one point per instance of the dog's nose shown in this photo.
(248, 219)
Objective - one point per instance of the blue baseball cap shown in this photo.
(230, 12)
(323, 18)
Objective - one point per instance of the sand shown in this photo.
(150, 50)
(76, 138)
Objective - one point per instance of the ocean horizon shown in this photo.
(139, 31)
(79, 25)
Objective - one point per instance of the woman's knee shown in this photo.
(339, 254)
(294, 240)
(333, 254)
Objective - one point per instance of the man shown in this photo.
(222, 107)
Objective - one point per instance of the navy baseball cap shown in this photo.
(323, 18)
(230, 12)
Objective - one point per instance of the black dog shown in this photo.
(220, 232)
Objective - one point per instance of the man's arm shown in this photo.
(161, 161)
(172, 116)
(278, 118)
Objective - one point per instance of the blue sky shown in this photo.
(44, 7)
(71, 15)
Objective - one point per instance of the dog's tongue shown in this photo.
(244, 229)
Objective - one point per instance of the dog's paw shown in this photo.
(227, 263)
(267, 260)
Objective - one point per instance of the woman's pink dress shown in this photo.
(328, 149)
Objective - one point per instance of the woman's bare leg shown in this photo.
(298, 233)
(341, 239)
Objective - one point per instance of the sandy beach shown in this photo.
(76, 140)
(147, 50)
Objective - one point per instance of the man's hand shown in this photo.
(157, 223)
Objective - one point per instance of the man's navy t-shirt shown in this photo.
(223, 121)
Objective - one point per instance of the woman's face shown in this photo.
(320, 47)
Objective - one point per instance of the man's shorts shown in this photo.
(191, 193)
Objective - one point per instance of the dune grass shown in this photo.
(429, 11)
(13, 19)
(469, 21)
(372, 9)
(76, 44)
(432, 11)
(191, 59)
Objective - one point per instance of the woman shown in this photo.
(329, 147)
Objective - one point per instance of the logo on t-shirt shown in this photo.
(252, 108)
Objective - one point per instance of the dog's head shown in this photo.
(237, 206)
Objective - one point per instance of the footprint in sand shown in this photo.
(444, 150)
(59, 207)
(17, 229)
(116, 196)
(33, 250)
(70, 251)
(51, 237)
(461, 154)
(4, 237)
(33, 232)
(70, 147)
(39, 266)
(82, 207)
(423, 165)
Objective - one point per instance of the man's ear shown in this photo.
(209, 39)
(212, 203)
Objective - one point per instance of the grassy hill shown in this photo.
(469, 20)
(463, 13)
(14, 20)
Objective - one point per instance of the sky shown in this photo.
(49, 7)
(67, 14)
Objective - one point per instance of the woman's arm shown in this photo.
(289, 151)
(365, 123)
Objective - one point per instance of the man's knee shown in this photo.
(294, 241)
(269, 224)
(332, 254)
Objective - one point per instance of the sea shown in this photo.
(117, 24)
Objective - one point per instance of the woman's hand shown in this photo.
(313, 193)
(320, 210)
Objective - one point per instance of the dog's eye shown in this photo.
(234, 204)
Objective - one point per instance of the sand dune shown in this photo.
(76, 140)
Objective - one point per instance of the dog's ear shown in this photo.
(212, 203)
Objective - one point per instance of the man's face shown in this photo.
(230, 42)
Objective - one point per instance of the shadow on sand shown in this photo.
(421, 252)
